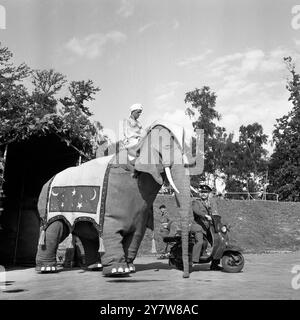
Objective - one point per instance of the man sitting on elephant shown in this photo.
(132, 128)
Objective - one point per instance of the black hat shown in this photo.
(205, 188)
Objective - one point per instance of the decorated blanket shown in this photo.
(78, 193)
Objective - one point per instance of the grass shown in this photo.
(256, 226)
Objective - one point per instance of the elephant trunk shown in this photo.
(182, 181)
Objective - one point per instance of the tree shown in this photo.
(253, 162)
(13, 95)
(203, 102)
(23, 114)
(285, 160)
(75, 115)
(245, 159)
(82, 91)
(242, 160)
(46, 84)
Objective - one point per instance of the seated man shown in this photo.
(132, 128)
(203, 209)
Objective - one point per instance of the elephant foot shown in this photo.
(131, 267)
(95, 267)
(48, 269)
(116, 270)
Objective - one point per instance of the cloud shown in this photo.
(126, 9)
(250, 87)
(264, 108)
(244, 75)
(221, 64)
(163, 98)
(166, 94)
(249, 62)
(176, 116)
(175, 24)
(146, 26)
(169, 107)
(93, 45)
(194, 59)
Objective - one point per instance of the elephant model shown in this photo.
(108, 202)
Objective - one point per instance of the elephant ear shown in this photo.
(157, 150)
(149, 161)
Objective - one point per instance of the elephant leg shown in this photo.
(89, 238)
(128, 243)
(56, 232)
(132, 241)
(114, 260)
(131, 246)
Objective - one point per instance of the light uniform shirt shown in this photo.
(132, 132)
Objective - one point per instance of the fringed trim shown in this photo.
(101, 245)
(42, 238)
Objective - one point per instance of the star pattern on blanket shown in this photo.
(74, 199)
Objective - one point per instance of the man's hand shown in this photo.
(208, 217)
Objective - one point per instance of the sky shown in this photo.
(154, 52)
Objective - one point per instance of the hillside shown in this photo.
(256, 226)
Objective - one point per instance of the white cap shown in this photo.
(136, 106)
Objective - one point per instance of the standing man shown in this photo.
(132, 128)
(165, 226)
(203, 211)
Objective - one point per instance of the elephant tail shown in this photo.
(43, 199)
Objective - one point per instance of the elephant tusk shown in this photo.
(169, 176)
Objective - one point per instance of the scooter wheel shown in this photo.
(232, 262)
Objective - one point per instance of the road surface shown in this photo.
(265, 276)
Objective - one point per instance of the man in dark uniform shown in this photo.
(203, 210)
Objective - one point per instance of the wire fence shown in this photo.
(236, 195)
(252, 196)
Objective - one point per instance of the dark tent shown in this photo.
(29, 164)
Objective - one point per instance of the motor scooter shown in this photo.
(216, 247)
